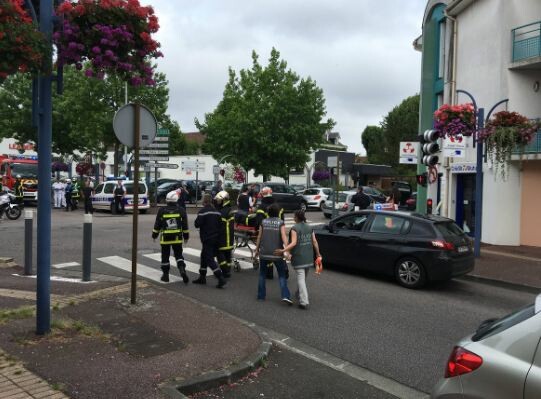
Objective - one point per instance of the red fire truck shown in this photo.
(24, 165)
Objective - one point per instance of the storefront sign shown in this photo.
(463, 168)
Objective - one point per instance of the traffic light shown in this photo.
(430, 147)
(429, 206)
(422, 179)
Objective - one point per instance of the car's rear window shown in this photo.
(494, 327)
(129, 188)
(342, 197)
(419, 229)
(311, 191)
(449, 229)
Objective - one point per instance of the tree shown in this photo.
(82, 115)
(373, 140)
(268, 120)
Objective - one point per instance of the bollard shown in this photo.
(87, 247)
(28, 230)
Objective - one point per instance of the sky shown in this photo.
(359, 52)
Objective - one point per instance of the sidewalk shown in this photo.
(102, 346)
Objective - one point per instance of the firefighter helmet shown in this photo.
(74, 179)
(266, 191)
(18, 176)
(221, 197)
(172, 196)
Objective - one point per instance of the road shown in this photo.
(401, 334)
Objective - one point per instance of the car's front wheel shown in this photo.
(410, 273)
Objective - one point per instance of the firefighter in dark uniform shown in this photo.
(225, 244)
(172, 223)
(76, 194)
(209, 223)
(243, 207)
(18, 190)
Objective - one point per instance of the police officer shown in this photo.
(119, 193)
(208, 222)
(68, 191)
(18, 190)
(76, 194)
(225, 243)
(172, 223)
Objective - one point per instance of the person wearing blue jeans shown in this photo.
(272, 236)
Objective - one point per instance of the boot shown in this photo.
(226, 270)
(201, 280)
(165, 274)
(221, 280)
(182, 269)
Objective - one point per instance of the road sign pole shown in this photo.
(137, 132)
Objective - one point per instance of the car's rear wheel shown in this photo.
(410, 273)
(321, 205)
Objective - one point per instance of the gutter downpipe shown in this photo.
(452, 96)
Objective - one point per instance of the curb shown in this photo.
(213, 379)
(501, 283)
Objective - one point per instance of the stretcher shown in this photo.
(245, 237)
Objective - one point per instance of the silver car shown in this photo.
(342, 204)
(502, 360)
(316, 197)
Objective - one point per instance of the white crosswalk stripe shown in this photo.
(67, 264)
(142, 270)
(190, 266)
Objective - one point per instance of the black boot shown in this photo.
(221, 280)
(182, 269)
(165, 275)
(200, 280)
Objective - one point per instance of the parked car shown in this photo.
(405, 190)
(342, 204)
(374, 194)
(167, 187)
(501, 360)
(413, 248)
(316, 197)
(298, 187)
(288, 198)
(104, 196)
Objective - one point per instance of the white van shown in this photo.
(104, 197)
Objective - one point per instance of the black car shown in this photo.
(411, 247)
(286, 196)
(374, 194)
(167, 187)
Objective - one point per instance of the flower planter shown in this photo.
(455, 120)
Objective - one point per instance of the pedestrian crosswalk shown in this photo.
(148, 266)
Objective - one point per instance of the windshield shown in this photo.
(311, 192)
(26, 170)
(129, 188)
(342, 197)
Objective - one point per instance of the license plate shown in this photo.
(463, 249)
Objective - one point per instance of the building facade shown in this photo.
(491, 49)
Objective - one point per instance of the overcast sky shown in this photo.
(358, 51)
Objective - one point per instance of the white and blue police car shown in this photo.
(104, 195)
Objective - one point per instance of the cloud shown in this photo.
(359, 52)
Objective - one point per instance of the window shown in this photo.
(278, 188)
(311, 191)
(109, 188)
(129, 188)
(99, 188)
(441, 59)
(291, 190)
(351, 222)
(420, 229)
(387, 224)
(327, 191)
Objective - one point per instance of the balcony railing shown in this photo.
(526, 41)
(533, 148)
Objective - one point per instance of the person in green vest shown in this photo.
(76, 193)
(302, 246)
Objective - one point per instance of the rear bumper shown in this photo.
(445, 267)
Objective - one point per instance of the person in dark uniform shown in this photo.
(76, 193)
(225, 245)
(244, 207)
(88, 192)
(208, 221)
(172, 223)
(360, 200)
(67, 193)
(119, 194)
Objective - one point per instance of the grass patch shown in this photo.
(15, 314)
(56, 306)
(57, 386)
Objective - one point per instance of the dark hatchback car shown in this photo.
(165, 188)
(286, 196)
(410, 247)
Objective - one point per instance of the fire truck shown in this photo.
(27, 167)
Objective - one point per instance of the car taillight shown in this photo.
(317, 197)
(445, 245)
(462, 361)
(345, 207)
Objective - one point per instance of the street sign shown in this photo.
(154, 158)
(150, 166)
(163, 145)
(332, 162)
(196, 165)
(408, 160)
(408, 152)
(124, 126)
(454, 147)
(154, 152)
(454, 153)
(163, 132)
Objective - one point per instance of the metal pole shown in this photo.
(479, 185)
(156, 186)
(137, 132)
(43, 290)
(196, 180)
(28, 229)
(87, 247)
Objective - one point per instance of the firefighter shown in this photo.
(18, 190)
(208, 222)
(76, 194)
(225, 243)
(172, 223)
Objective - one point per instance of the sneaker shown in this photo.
(288, 301)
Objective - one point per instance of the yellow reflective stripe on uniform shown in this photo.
(155, 231)
(172, 231)
(171, 242)
(281, 213)
(171, 215)
(226, 248)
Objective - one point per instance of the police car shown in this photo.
(104, 196)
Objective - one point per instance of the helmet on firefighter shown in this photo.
(18, 176)
(172, 196)
(221, 197)
(266, 191)
(74, 179)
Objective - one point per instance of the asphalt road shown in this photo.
(372, 322)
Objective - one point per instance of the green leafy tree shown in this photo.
(401, 124)
(373, 140)
(268, 120)
(82, 115)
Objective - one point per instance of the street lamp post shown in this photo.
(480, 112)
